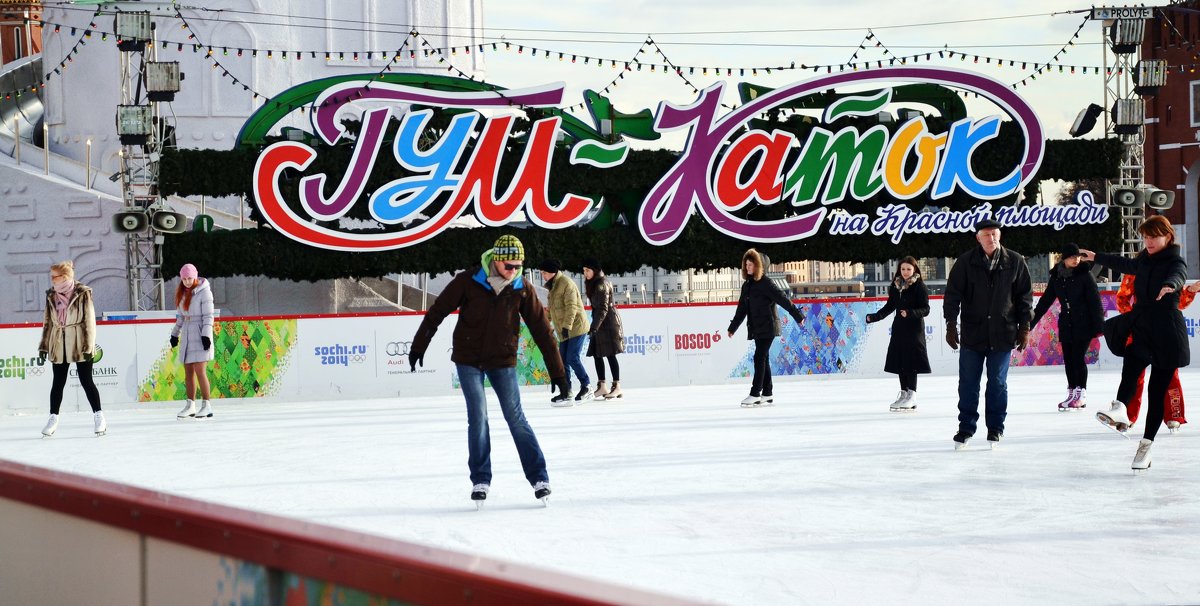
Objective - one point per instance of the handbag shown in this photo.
(1116, 332)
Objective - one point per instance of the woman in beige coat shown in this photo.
(570, 326)
(69, 336)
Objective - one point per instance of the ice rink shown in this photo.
(825, 498)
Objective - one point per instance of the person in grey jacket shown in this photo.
(991, 288)
(192, 334)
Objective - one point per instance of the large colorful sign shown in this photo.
(725, 165)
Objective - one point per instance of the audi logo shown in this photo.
(398, 348)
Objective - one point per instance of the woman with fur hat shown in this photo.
(192, 334)
(570, 325)
(756, 305)
(69, 336)
(607, 334)
(1080, 319)
(906, 354)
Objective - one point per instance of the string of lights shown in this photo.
(428, 49)
(1054, 60)
(67, 59)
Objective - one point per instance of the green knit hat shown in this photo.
(508, 248)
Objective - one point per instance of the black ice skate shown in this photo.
(994, 439)
(541, 491)
(960, 440)
(479, 494)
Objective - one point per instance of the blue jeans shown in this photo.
(479, 441)
(970, 370)
(570, 350)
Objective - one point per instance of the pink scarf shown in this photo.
(62, 297)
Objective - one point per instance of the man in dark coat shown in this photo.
(990, 285)
(492, 300)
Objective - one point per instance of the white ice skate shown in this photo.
(1141, 459)
(907, 402)
(51, 426)
(1173, 426)
(601, 391)
(101, 424)
(189, 410)
(1115, 418)
(205, 411)
(751, 401)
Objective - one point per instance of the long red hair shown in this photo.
(183, 294)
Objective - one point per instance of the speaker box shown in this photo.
(1128, 197)
(168, 222)
(129, 221)
(1160, 199)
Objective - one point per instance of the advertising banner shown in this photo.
(368, 357)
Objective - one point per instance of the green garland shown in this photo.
(621, 249)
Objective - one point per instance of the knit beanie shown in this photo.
(508, 248)
(188, 271)
(592, 264)
(552, 266)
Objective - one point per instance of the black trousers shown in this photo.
(612, 363)
(762, 368)
(1156, 388)
(1073, 354)
(85, 380)
(908, 381)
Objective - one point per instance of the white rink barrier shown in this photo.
(366, 356)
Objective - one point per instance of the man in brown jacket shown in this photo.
(491, 301)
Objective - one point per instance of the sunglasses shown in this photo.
(512, 266)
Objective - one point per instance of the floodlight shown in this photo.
(135, 124)
(1128, 116)
(162, 80)
(1126, 35)
(1149, 76)
(132, 30)
(1086, 120)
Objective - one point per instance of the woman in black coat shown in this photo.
(906, 355)
(1160, 338)
(1080, 319)
(757, 306)
(606, 335)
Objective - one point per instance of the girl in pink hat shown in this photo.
(192, 334)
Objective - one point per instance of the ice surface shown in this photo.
(824, 498)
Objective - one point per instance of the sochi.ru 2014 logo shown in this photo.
(17, 367)
(698, 340)
(643, 344)
(340, 355)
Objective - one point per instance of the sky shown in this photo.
(765, 33)
(825, 498)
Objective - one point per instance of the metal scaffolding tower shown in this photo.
(1122, 40)
(141, 129)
